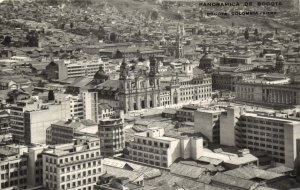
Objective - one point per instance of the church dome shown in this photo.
(206, 62)
(280, 58)
(100, 74)
(206, 57)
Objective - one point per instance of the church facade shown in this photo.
(143, 89)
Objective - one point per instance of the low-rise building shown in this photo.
(186, 113)
(63, 132)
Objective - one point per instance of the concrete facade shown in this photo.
(77, 169)
(208, 123)
(153, 148)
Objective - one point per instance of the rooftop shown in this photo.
(239, 183)
(250, 173)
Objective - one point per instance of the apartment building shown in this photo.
(235, 60)
(90, 105)
(71, 69)
(105, 111)
(76, 106)
(30, 119)
(153, 148)
(74, 166)
(228, 121)
(207, 122)
(186, 113)
(36, 121)
(265, 132)
(4, 122)
(17, 118)
(13, 167)
(63, 132)
(112, 135)
(35, 166)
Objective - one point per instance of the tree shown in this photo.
(141, 59)
(71, 25)
(101, 33)
(119, 54)
(154, 15)
(178, 16)
(40, 84)
(256, 32)
(246, 34)
(51, 95)
(32, 39)
(6, 41)
(113, 37)
(53, 2)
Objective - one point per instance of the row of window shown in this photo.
(151, 156)
(262, 133)
(13, 165)
(151, 143)
(274, 147)
(79, 175)
(75, 158)
(79, 166)
(150, 162)
(13, 183)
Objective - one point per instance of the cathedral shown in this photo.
(139, 88)
(142, 89)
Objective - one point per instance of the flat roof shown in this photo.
(288, 120)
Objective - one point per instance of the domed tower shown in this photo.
(153, 66)
(153, 98)
(100, 76)
(124, 70)
(206, 62)
(279, 67)
(187, 67)
(179, 46)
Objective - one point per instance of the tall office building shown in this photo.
(17, 118)
(35, 166)
(72, 166)
(207, 122)
(112, 136)
(37, 121)
(90, 105)
(31, 118)
(261, 131)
